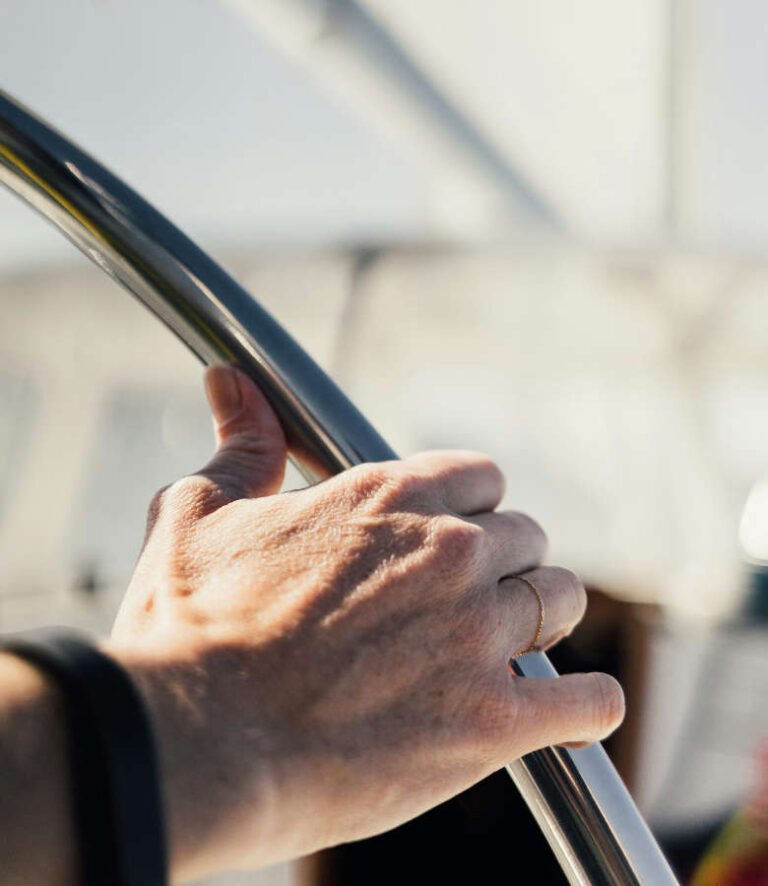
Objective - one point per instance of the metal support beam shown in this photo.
(340, 41)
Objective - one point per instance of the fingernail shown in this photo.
(223, 390)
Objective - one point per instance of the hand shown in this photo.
(325, 664)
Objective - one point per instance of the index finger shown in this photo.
(466, 482)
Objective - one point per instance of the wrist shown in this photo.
(112, 771)
(38, 844)
(217, 797)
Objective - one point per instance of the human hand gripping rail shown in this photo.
(576, 795)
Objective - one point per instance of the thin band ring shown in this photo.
(534, 645)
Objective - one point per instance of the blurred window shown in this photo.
(18, 401)
(146, 438)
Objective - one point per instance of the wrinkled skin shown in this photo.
(325, 664)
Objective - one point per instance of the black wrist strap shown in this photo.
(115, 774)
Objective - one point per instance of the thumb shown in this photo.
(251, 451)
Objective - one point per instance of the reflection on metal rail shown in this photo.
(577, 797)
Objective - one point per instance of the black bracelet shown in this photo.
(116, 791)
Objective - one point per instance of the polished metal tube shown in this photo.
(577, 797)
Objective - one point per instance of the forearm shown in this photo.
(36, 831)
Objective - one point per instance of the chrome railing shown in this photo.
(576, 796)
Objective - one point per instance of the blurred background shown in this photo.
(538, 230)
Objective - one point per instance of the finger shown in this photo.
(516, 542)
(576, 708)
(563, 603)
(251, 451)
(465, 482)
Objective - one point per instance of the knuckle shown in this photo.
(385, 487)
(459, 542)
(470, 464)
(401, 488)
(189, 494)
(457, 460)
(366, 481)
(462, 458)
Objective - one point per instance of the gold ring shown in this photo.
(540, 627)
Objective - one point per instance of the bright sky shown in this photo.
(187, 103)
(241, 148)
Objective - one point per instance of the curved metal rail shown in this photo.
(577, 797)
